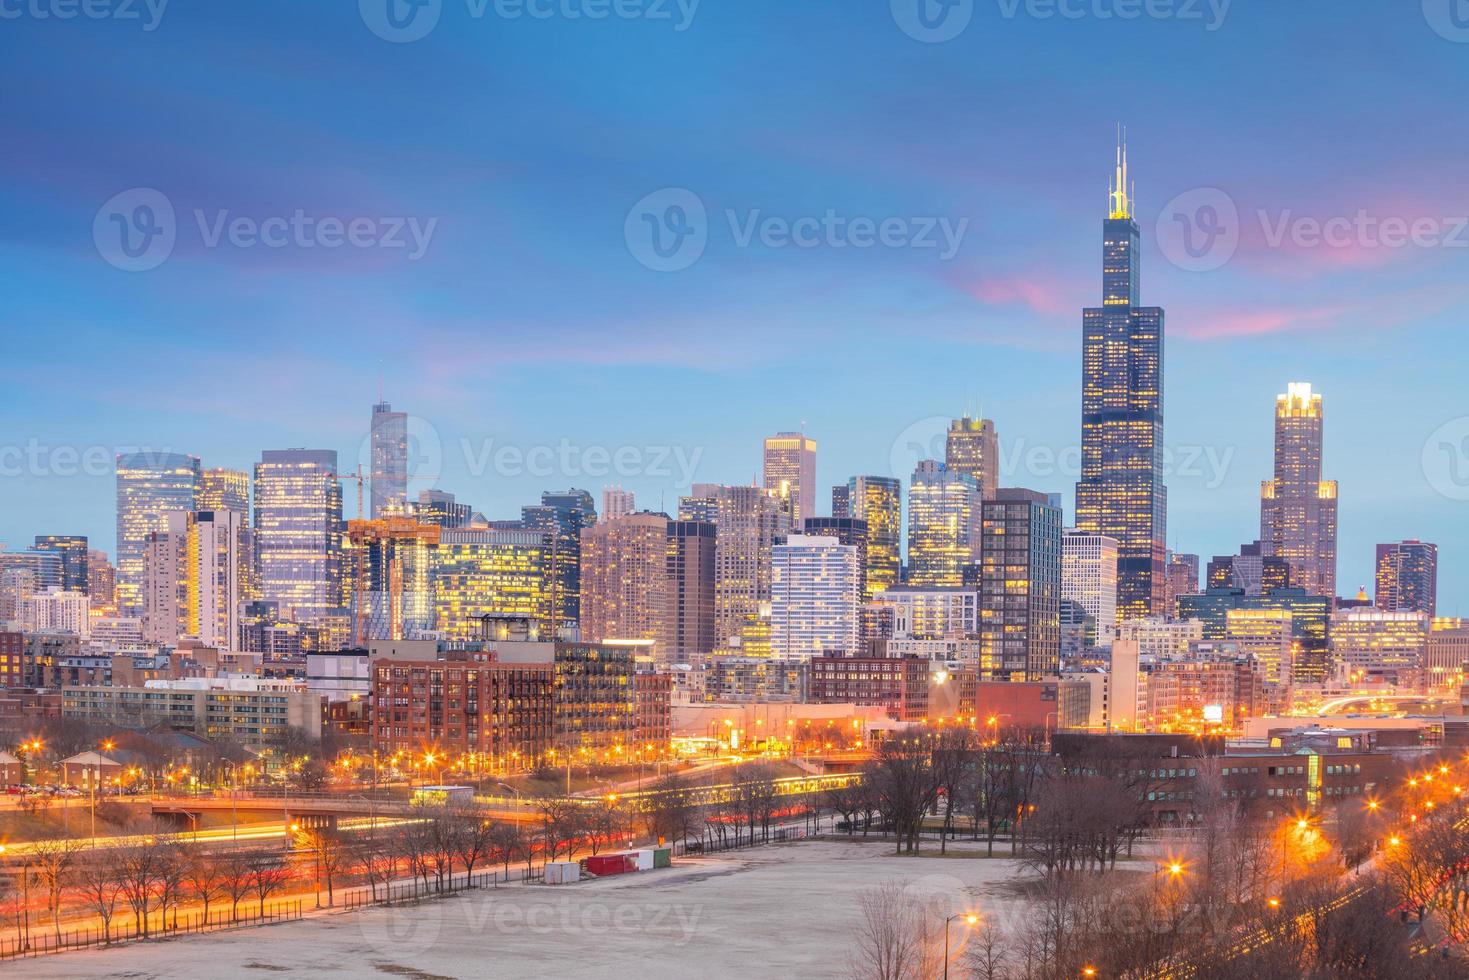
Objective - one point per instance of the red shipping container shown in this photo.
(610, 864)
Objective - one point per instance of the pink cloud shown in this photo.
(1036, 293)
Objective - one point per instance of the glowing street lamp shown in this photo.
(969, 919)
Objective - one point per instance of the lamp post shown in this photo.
(970, 919)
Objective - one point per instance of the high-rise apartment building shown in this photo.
(438, 507)
(149, 485)
(1121, 492)
(692, 546)
(847, 530)
(790, 473)
(972, 447)
(1407, 577)
(878, 501)
(1298, 507)
(563, 515)
(389, 449)
(747, 520)
(1089, 578)
(814, 593)
(298, 533)
(617, 502)
(487, 573)
(1020, 586)
(101, 581)
(943, 525)
(72, 550)
(1183, 579)
(224, 489)
(215, 588)
(165, 593)
(626, 593)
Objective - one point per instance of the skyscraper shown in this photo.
(943, 525)
(1407, 577)
(1089, 578)
(1297, 507)
(748, 520)
(878, 500)
(1121, 492)
(298, 532)
(1183, 579)
(479, 573)
(213, 593)
(389, 461)
(390, 566)
(973, 448)
(790, 473)
(165, 596)
(814, 594)
(624, 576)
(617, 502)
(1020, 586)
(563, 515)
(223, 489)
(72, 549)
(438, 507)
(101, 581)
(691, 555)
(847, 530)
(149, 485)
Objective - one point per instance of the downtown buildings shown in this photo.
(943, 525)
(1121, 493)
(790, 473)
(1407, 577)
(149, 485)
(1298, 507)
(298, 533)
(815, 587)
(878, 502)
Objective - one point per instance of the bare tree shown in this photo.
(268, 875)
(54, 861)
(236, 874)
(896, 937)
(904, 779)
(205, 877)
(101, 890)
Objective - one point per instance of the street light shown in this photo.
(969, 919)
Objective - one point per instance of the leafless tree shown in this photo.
(53, 861)
(235, 871)
(896, 937)
(268, 875)
(205, 878)
(101, 889)
(903, 776)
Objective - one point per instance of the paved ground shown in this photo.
(784, 910)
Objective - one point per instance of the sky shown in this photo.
(228, 227)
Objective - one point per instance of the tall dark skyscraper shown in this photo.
(563, 514)
(1407, 577)
(1121, 492)
(73, 551)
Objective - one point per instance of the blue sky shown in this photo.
(520, 148)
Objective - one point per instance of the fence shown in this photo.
(42, 941)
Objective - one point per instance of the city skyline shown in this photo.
(655, 359)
